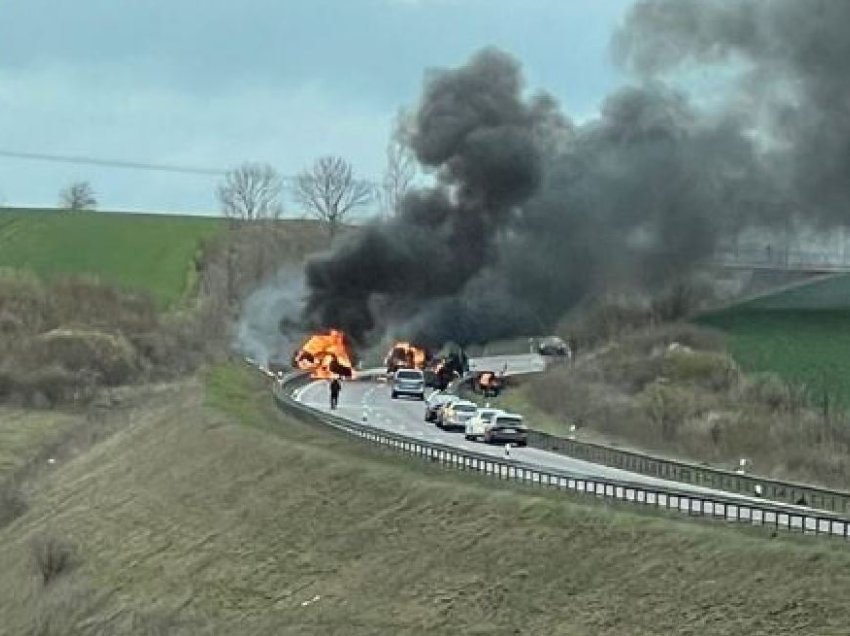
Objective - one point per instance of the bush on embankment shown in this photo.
(62, 340)
(674, 390)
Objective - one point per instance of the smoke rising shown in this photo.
(532, 213)
(279, 301)
(475, 130)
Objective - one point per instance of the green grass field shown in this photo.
(808, 347)
(143, 251)
(802, 334)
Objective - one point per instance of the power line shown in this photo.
(110, 163)
(131, 165)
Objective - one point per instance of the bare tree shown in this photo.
(78, 196)
(329, 192)
(398, 176)
(251, 192)
(401, 166)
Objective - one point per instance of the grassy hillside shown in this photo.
(151, 252)
(826, 293)
(808, 347)
(230, 518)
(803, 334)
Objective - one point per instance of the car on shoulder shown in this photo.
(477, 425)
(553, 346)
(435, 403)
(455, 415)
(409, 382)
(506, 427)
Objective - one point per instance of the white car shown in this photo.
(409, 382)
(506, 427)
(477, 426)
(455, 415)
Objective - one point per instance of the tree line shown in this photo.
(327, 191)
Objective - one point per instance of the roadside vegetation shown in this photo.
(767, 386)
(216, 514)
(96, 300)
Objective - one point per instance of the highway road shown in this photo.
(369, 402)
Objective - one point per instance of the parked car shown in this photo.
(477, 425)
(409, 382)
(506, 427)
(455, 415)
(436, 402)
(553, 346)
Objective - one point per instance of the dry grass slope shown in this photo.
(189, 522)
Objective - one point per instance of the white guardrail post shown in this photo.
(717, 507)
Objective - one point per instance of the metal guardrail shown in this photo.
(833, 501)
(708, 506)
(715, 478)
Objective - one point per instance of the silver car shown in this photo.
(409, 382)
(506, 427)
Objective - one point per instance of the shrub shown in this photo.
(12, 504)
(774, 392)
(23, 303)
(52, 557)
(667, 407)
(109, 358)
(605, 318)
(714, 371)
(85, 301)
(660, 337)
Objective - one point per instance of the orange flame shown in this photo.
(326, 354)
(404, 354)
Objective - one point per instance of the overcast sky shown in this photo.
(211, 84)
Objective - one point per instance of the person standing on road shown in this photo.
(336, 387)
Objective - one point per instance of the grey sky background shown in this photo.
(214, 83)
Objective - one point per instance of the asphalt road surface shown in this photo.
(369, 402)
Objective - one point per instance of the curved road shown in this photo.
(369, 402)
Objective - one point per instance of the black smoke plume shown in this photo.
(532, 213)
(475, 129)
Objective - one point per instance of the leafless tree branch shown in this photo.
(401, 168)
(78, 196)
(329, 192)
(251, 192)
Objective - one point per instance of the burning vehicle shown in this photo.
(326, 355)
(490, 384)
(441, 371)
(404, 355)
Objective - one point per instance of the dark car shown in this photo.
(552, 346)
(435, 403)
